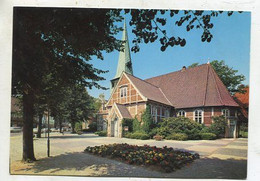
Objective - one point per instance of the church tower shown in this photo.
(124, 60)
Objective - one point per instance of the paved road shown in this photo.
(224, 158)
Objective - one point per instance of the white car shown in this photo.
(15, 129)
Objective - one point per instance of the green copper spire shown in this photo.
(124, 61)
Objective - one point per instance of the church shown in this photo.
(196, 93)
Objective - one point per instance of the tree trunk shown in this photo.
(60, 124)
(55, 124)
(28, 112)
(40, 126)
(73, 127)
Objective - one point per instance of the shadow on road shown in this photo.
(79, 163)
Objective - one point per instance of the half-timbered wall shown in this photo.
(131, 96)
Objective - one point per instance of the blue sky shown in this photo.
(231, 43)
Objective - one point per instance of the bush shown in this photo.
(129, 123)
(177, 136)
(92, 127)
(101, 133)
(78, 127)
(218, 126)
(147, 120)
(136, 125)
(178, 125)
(208, 136)
(137, 135)
(243, 134)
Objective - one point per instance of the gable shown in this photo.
(132, 94)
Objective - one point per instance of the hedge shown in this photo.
(208, 136)
(177, 136)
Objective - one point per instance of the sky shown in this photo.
(231, 43)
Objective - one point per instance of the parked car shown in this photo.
(15, 129)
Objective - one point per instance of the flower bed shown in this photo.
(165, 159)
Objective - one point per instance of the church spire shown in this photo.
(124, 61)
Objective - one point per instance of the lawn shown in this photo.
(164, 159)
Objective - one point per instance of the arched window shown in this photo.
(181, 113)
(225, 113)
(198, 116)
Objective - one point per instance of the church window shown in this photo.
(198, 116)
(225, 113)
(181, 113)
(123, 91)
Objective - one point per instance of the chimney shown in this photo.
(183, 68)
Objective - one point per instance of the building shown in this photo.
(16, 113)
(196, 93)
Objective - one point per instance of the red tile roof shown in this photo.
(193, 87)
(123, 111)
(149, 90)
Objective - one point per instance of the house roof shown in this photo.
(192, 87)
(149, 90)
(123, 111)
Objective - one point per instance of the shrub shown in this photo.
(243, 134)
(101, 133)
(177, 136)
(78, 127)
(153, 132)
(218, 126)
(137, 135)
(127, 135)
(136, 125)
(179, 125)
(92, 127)
(208, 136)
(140, 135)
(129, 123)
(147, 120)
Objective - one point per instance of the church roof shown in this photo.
(193, 87)
(124, 61)
(149, 90)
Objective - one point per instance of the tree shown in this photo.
(228, 76)
(193, 65)
(147, 119)
(149, 22)
(53, 47)
(48, 39)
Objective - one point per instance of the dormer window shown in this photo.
(123, 91)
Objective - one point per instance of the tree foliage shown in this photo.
(149, 25)
(147, 120)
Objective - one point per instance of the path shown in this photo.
(224, 158)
